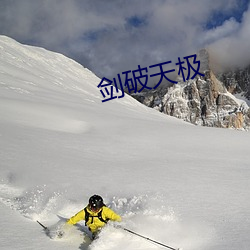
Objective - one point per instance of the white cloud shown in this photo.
(97, 33)
(233, 49)
(226, 29)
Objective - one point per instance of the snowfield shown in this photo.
(182, 185)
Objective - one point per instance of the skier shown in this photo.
(95, 214)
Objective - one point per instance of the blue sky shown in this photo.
(218, 17)
(113, 36)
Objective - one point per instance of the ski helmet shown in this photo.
(95, 202)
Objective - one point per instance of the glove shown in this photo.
(60, 234)
(62, 229)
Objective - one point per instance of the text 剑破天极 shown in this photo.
(110, 89)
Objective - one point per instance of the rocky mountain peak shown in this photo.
(206, 101)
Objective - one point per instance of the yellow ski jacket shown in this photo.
(94, 223)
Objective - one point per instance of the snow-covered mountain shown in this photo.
(182, 185)
(206, 101)
(237, 81)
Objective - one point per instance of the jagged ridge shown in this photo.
(205, 101)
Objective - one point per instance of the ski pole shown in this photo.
(146, 238)
(45, 228)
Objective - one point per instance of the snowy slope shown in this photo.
(176, 183)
